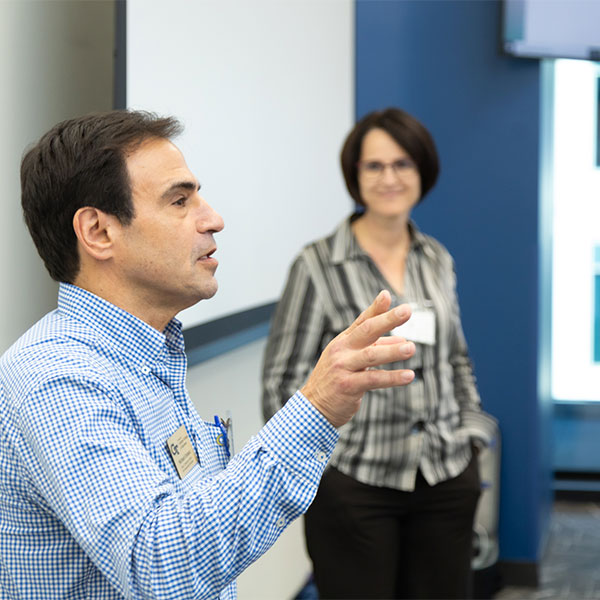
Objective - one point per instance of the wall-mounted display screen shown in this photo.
(552, 28)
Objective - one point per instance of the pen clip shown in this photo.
(222, 438)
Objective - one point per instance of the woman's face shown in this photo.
(388, 179)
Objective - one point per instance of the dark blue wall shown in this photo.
(441, 61)
(577, 443)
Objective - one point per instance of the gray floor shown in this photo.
(571, 564)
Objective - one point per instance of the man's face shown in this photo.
(164, 256)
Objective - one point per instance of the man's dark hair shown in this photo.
(407, 131)
(82, 162)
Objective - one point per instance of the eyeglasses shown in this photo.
(373, 169)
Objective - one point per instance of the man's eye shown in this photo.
(180, 201)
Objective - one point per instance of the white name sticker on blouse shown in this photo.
(420, 328)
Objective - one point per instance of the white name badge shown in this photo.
(420, 328)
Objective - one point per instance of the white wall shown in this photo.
(55, 63)
(265, 89)
(231, 382)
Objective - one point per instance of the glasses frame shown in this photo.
(398, 166)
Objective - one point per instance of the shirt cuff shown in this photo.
(300, 437)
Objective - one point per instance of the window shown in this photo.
(576, 232)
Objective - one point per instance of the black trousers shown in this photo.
(369, 542)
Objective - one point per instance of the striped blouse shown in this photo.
(427, 425)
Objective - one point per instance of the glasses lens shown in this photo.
(402, 164)
(372, 168)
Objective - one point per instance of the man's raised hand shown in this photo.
(343, 373)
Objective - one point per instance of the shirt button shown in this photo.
(280, 522)
(321, 456)
(145, 369)
(418, 427)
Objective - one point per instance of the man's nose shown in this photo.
(209, 219)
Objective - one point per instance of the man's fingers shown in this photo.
(370, 330)
(376, 355)
(389, 340)
(380, 305)
(379, 378)
(342, 374)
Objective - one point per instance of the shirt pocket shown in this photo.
(210, 446)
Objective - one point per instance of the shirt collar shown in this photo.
(345, 246)
(122, 330)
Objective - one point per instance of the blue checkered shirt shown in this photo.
(91, 505)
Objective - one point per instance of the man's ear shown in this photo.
(93, 229)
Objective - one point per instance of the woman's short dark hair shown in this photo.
(407, 131)
(82, 162)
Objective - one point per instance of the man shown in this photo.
(111, 485)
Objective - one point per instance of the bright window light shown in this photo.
(576, 233)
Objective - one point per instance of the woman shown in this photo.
(394, 513)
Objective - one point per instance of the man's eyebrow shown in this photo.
(190, 186)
